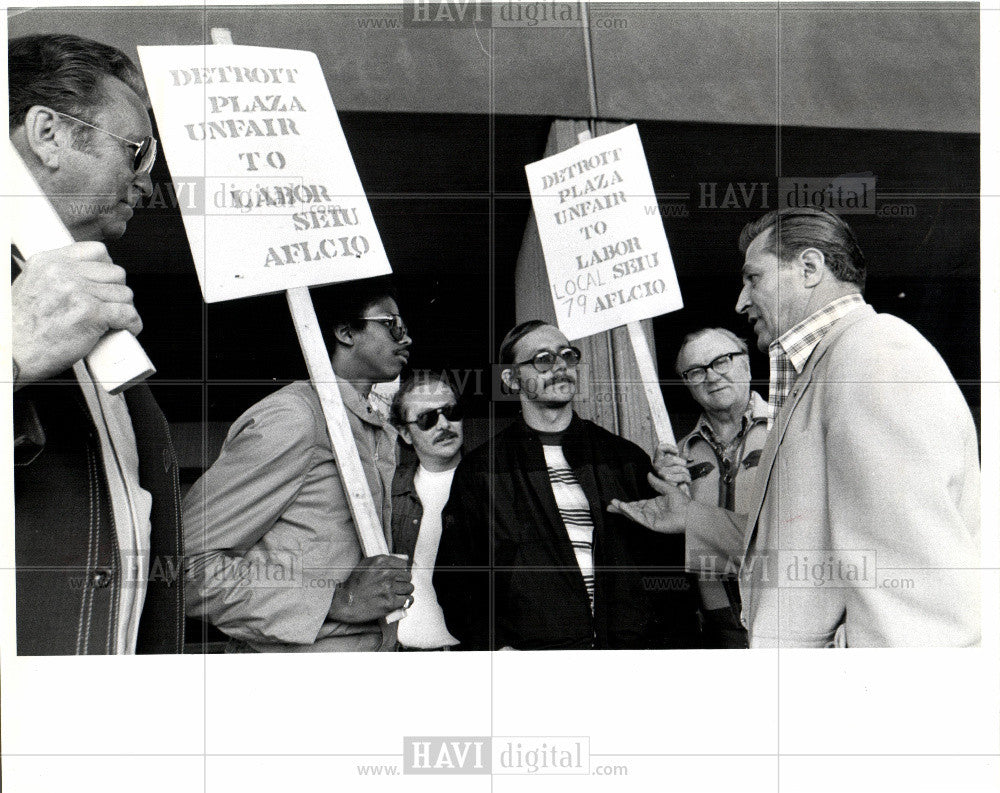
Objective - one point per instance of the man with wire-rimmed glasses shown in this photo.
(96, 480)
(527, 539)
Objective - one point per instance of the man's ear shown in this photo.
(45, 136)
(344, 334)
(509, 380)
(813, 265)
(404, 433)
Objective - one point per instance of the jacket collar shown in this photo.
(777, 432)
(755, 413)
(360, 406)
(574, 438)
(402, 482)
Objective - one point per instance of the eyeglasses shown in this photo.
(144, 154)
(545, 360)
(720, 365)
(429, 418)
(394, 322)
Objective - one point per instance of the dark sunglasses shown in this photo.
(545, 360)
(144, 151)
(429, 418)
(394, 322)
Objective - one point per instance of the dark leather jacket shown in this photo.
(505, 551)
(68, 573)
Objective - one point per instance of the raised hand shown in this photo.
(666, 514)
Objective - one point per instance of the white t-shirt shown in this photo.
(423, 626)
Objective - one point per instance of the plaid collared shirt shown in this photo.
(791, 350)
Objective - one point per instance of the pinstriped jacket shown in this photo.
(68, 571)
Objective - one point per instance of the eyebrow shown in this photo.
(553, 350)
(714, 358)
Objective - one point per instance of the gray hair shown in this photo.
(697, 334)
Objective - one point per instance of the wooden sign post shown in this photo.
(118, 360)
(283, 209)
(607, 256)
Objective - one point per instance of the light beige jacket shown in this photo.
(865, 526)
(268, 529)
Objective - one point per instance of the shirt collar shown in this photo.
(756, 411)
(359, 406)
(799, 342)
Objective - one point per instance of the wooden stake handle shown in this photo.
(345, 450)
(651, 384)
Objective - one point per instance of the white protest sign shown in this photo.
(283, 205)
(606, 253)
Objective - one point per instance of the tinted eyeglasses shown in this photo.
(394, 322)
(720, 365)
(429, 418)
(545, 360)
(143, 151)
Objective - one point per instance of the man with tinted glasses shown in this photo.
(718, 458)
(428, 416)
(96, 489)
(526, 537)
(274, 557)
(863, 530)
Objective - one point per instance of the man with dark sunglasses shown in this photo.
(274, 557)
(529, 559)
(428, 416)
(96, 489)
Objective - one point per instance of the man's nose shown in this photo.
(711, 374)
(742, 302)
(145, 184)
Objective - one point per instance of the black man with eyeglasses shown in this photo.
(718, 459)
(274, 557)
(96, 489)
(428, 415)
(529, 558)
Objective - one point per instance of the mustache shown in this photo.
(445, 435)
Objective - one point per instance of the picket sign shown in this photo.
(324, 380)
(118, 360)
(647, 369)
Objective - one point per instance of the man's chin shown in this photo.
(112, 231)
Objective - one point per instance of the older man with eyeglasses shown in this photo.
(95, 484)
(274, 557)
(718, 459)
(529, 558)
